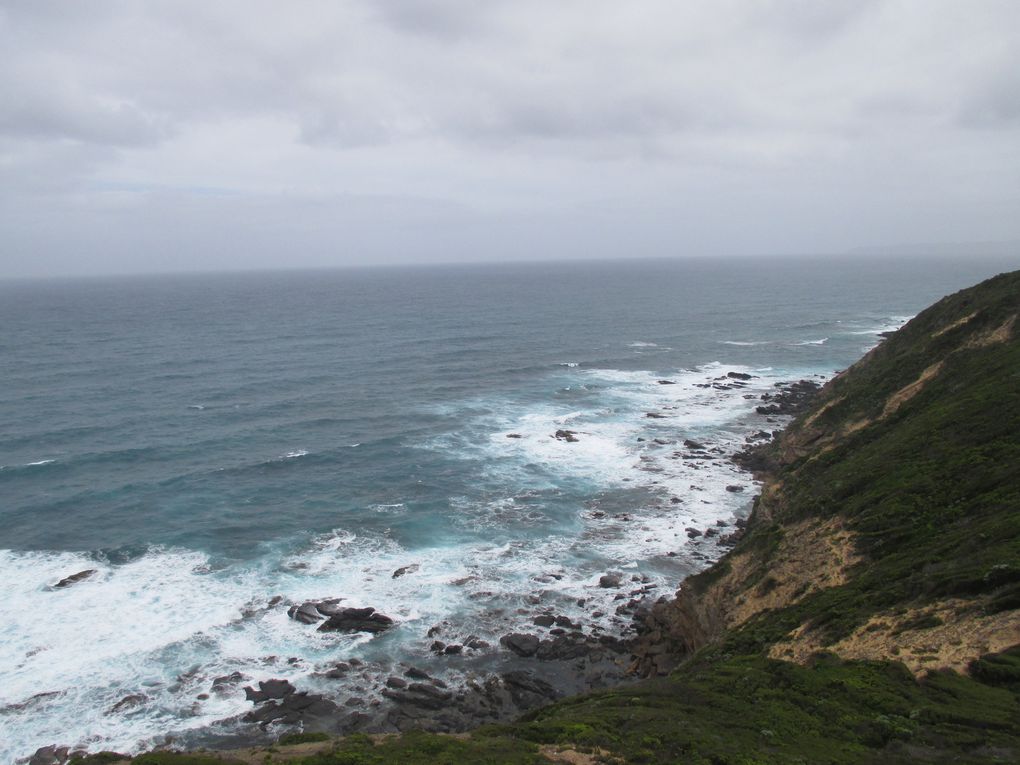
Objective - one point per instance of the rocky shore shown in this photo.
(549, 656)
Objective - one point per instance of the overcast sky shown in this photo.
(222, 134)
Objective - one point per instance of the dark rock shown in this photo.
(692, 533)
(693, 444)
(225, 681)
(562, 647)
(655, 416)
(276, 689)
(523, 685)
(739, 376)
(357, 620)
(734, 489)
(417, 674)
(514, 435)
(128, 702)
(610, 580)
(405, 570)
(306, 613)
(521, 644)
(667, 382)
(50, 755)
(396, 682)
(569, 436)
(438, 646)
(329, 607)
(452, 650)
(544, 620)
(74, 578)
(254, 696)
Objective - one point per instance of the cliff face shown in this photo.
(889, 522)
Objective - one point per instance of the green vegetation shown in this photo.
(302, 738)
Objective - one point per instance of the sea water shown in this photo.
(207, 443)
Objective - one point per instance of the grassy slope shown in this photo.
(933, 493)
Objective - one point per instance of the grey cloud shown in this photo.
(442, 129)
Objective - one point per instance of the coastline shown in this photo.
(551, 658)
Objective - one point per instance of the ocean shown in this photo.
(208, 443)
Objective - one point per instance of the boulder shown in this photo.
(521, 644)
(610, 580)
(357, 620)
(734, 489)
(405, 570)
(306, 613)
(569, 436)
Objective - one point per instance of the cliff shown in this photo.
(869, 613)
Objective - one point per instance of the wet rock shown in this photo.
(544, 620)
(306, 613)
(667, 382)
(453, 649)
(608, 581)
(81, 576)
(276, 689)
(692, 533)
(405, 570)
(50, 755)
(569, 436)
(417, 674)
(655, 416)
(302, 707)
(739, 376)
(734, 489)
(223, 682)
(357, 620)
(396, 682)
(521, 644)
(128, 702)
(514, 435)
(693, 444)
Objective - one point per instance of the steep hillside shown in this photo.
(871, 611)
(889, 524)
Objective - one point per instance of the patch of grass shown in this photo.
(308, 737)
(417, 748)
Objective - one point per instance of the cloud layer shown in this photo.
(182, 135)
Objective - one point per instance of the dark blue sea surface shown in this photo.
(208, 442)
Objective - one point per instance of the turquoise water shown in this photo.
(208, 442)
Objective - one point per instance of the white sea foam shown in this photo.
(821, 341)
(39, 462)
(295, 453)
(641, 344)
(745, 342)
